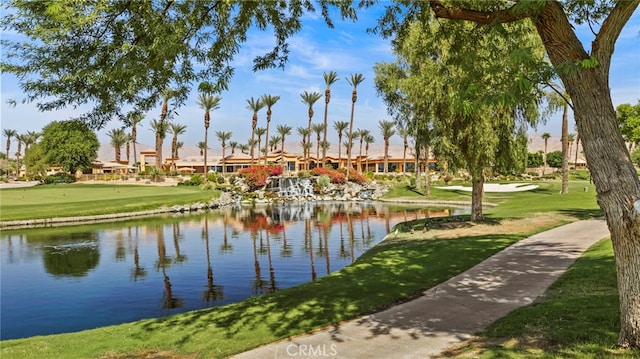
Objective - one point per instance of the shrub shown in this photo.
(323, 181)
(220, 180)
(357, 178)
(212, 177)
(256, 176)
(59, 177)
(196, 180)
(304, 174)
(335, 175)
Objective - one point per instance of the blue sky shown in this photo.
(346, 49)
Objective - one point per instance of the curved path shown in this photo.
(453, 311)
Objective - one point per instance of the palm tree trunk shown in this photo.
(565, 150)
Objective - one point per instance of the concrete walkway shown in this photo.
(453, 311)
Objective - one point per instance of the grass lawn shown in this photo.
(396, 270)
(68, 200)
(577, 318)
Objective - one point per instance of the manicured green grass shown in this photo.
(577, 318)
(546, 198)
(68, 200)
(407, 192)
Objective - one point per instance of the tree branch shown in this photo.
(480, 17)
(603, 45)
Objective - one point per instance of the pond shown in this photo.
(65, 279)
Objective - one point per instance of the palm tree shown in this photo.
(244, 148)
(571, 138)
(318, 128)
(255, 106)
(310, 98)
(355, 136)
(283, 130)
(361, 134)
(167, 94)
(369, 139)
(128, 147)
(329, 79)
(273, 143)
(30, 139)
(575, 161)
(404, 132)
(135, 118)
(304, 133)
(20, 139)
(207, 103)
(118, 138)
(386, 129)
(175, 129)
(9, 133)
(269, 101)
(223, 137)
(354, 81)
(179, 145)
(160, 128)
(201, 147)
(234, 145)
(340, 126)
(545, 137)
(260, 131)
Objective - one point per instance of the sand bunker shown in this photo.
(496, 187)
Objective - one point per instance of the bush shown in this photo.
(212, 177)
(323, 181)
(336, 176)
(304, 174)
(357, 178)
(220, 180)
(59, 177)
(256, 176)
(195, 180)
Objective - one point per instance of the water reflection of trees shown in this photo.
(212, 292)
(169, 300)
(72, 254)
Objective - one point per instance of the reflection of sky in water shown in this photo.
(73, 278)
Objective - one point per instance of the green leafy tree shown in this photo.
(555, 159)
(70, 144)
(35, 161)
(534, 159)
(635, 156)
(629, 117)
(585, 75)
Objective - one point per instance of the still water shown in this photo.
(66, 279)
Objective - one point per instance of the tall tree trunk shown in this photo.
(417, 166)
(158, 151)
(427, 185)
(617, 183)
(565, 150)
(477, 190)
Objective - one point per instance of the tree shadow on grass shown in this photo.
(390, 273)
(582, 213)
